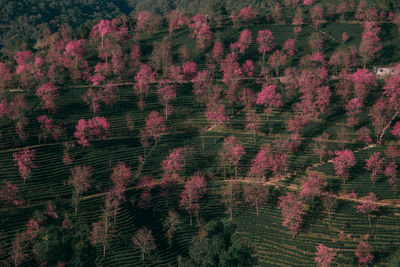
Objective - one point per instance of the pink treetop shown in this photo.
(244, 41)
(32, 230)
(353, 107)
(248, 98)
(363, 253)
(135, 53)
(375, 164)
(363, 80)
(312, 186)
(261, 163)
(277, 60)
(175, 161)
(308, 2)
(391, 170)
(248, 68)
(143, 79)
(269, 98)
(24, 160)
(370, 42)
(202, 86)
(46, 122)
(10, 194)
(103, 27)
(155, 125)
(79, 179)
(345, 159)
(392, 92)
(165, 95)
(247, 14)
(292, 210)
(194, 190)
(85, 131)
(189, 69)
(48, 93)
(175, 74)
(74, 48)
(147, 21)
(264, 40)
(121, 174)
(369, 204)
(5, 76)
(324, 255)
(290, 47)
(218, 51)
(215, 113)
(201, 31)
(4, 109)
(23, 59)
(174, 20)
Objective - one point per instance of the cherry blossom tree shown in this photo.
(175, 20)
(189, 69)
(233, 74)
(292, 210)
(201, 31)
(5, 78)
(312, 186)
(324, 255)
(215, 114)
(80, 181)
(253, 121)
(171, 224)
(317, 15)
(380, 117)
(25, 67)
(391, 173)
(146, 21)
(24, 161)
(230, 193)
(154, 126)
(374, 164)
(363, 81)
(353, 108)
(342, 162)
(363, 253)
(120, 176)
(142, 83)
(202, 86)
(261, 162)
(175, 161)
(194, 190)
(146, 184)
(290, 47)
(320, 145)
(48, 94)
(370, 42)
(364, 135)
(86, 131)
(165, 95)
(10, 194)
(231, 153)
(255, 194)
(269, 98)
(265, 42)
(368, 206)
(328, 201)
(144, 239)
(244, 41)
(277, 60)
(92, 98)
(247, 13)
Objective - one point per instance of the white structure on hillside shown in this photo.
(382, 72)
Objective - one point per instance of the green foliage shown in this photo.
(220, 246)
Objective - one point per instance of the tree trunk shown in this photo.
(202, 142)
(236, 172)
(257, 208)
